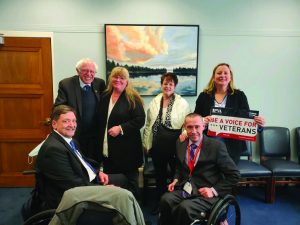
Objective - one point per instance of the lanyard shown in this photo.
(191, 162)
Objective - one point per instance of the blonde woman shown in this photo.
(121, 115)
(220, 92)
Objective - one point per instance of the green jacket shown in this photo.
(102, 198)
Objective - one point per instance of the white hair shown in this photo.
(85, 60)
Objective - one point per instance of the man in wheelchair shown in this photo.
(204, 174)
(60, 165)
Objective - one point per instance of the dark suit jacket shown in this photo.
(69, 93)
(214, 167)
(58, 169)
(125, 151)
(238, 103)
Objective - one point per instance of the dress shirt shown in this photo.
(186, 159)
(187, 154)
(105, 142)
(90, 172)
(82, 84)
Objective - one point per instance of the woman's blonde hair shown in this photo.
(210, 88)
(131, 94)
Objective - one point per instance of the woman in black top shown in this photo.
(220, 92)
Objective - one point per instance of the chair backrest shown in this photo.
(275, 142)
(248, 150)
(297, 139)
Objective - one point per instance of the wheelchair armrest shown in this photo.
(29, 172)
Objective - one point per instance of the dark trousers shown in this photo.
(89, 146)
(164, 165)
(118, 180)
(131, 176)
(174, 209)
(133, 183)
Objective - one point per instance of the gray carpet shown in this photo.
(11, 201)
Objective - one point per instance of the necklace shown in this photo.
(222, 103)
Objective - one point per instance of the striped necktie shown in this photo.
(193, 150)
(91, 171)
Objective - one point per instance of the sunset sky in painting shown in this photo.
(152, 46)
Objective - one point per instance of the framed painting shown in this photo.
(148, 51)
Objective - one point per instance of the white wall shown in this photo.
(260, 39)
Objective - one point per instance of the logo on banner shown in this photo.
(226, 126)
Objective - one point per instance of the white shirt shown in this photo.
(90, 172)
(105, 143)
(179, 110)
(82, 84)
(222, 104)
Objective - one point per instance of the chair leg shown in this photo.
(271, 191)
(268, 190)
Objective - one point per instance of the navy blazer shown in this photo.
(125, 151)
(238, 103)
(69, 93)
(214, 167)
(57, 170)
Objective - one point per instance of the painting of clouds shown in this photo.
(148, 51)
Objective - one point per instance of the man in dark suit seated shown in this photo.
(61, 166)
(82, 92)
(204, 173)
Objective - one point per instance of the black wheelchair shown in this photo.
(94, 215)
(91, 205)
(225, 209)
(41, 218)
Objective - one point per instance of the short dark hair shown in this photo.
(192, 115)
(169, 76)
(61, 109)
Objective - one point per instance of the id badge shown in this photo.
(188, 188)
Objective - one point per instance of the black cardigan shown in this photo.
(239, 104)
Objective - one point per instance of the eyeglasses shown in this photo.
(87, 71)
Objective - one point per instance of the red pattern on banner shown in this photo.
(234, 136)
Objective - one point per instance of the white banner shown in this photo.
(232, 127)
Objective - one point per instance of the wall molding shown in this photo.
(13, 33)
(55, 28)
(251, 32)
(100, 29)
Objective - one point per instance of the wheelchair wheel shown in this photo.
(41, 218)
(227, 209)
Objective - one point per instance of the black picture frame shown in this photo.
(148, 51)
